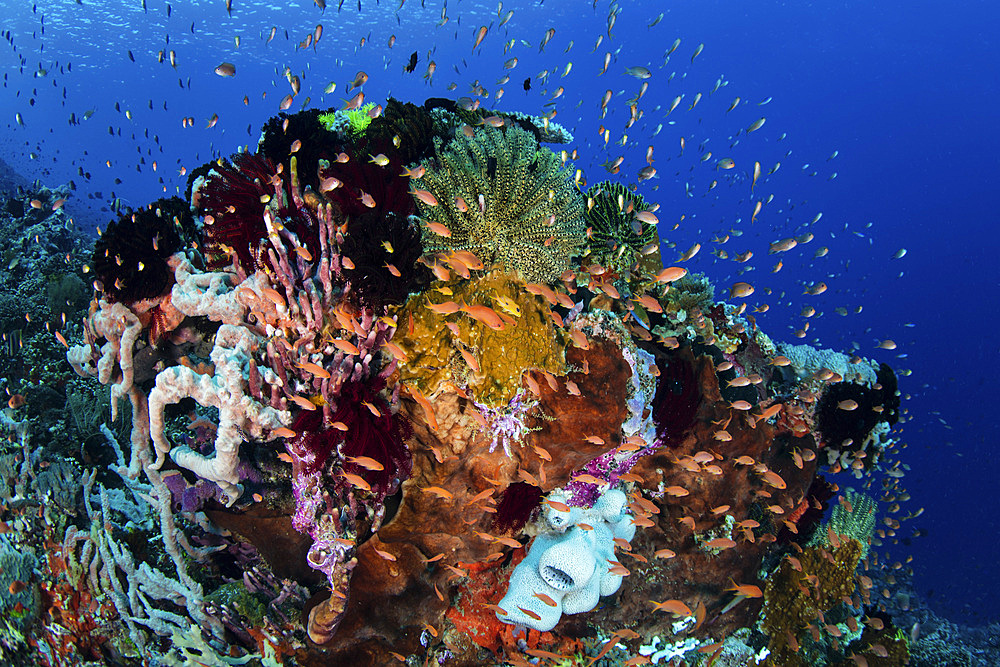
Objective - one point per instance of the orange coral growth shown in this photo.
(73, 618)
(486, 584)
(797, 513)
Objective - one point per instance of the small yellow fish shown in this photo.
(508, 305)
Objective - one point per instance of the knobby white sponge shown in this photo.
(225, 389)
(568, 563)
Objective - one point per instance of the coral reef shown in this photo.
(380, 402)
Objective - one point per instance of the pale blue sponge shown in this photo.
(568, 563)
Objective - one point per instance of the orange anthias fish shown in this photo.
(746, 590)
(346, 346)
(675, 607)
(670, 274)
(720, 543)
(425, 196)
(314, 369)
(425, 404)
(484, 314)
(772, 478)
(446, 308)
(357, 481)
(366, 462)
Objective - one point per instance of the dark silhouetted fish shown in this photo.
(412, 65)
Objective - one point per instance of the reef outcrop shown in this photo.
(388, 397)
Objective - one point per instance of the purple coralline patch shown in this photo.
(191, 497)
(608, 467)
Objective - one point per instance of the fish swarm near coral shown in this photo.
(388, 401)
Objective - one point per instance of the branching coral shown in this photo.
(506, 200)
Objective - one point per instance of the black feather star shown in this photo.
(384, 250)
(130, 257)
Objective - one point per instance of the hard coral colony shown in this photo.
(429, 414)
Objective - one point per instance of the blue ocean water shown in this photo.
(881, 115)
